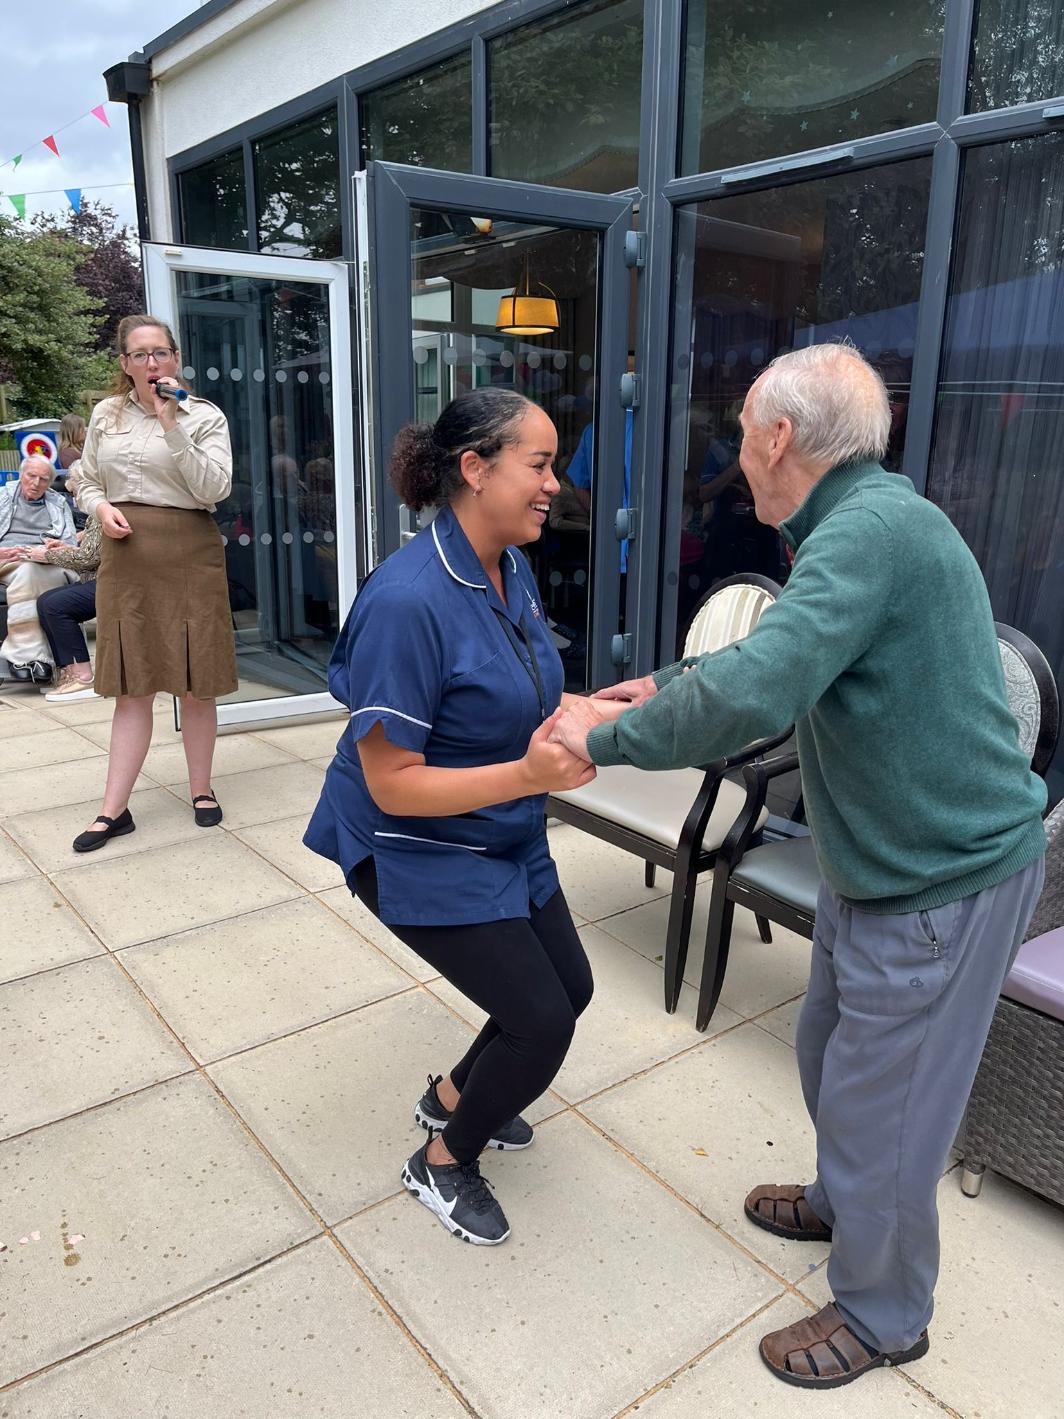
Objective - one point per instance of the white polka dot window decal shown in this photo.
(303, 377)
(244, 540)
(281, 377)
(212, 373)
(286, 538)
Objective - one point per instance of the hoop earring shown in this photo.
(477, 491)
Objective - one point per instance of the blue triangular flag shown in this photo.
(74, 198)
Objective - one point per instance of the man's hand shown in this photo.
(12, 554)
(632, 692)
(37, 554)
(113, 523)
(576, 724)
(549, 767)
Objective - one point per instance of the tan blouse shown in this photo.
(128, 458)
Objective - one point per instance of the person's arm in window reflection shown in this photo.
(579, 471)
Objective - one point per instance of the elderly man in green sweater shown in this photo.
(926, 820)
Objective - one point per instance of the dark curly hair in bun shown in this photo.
(425, 466)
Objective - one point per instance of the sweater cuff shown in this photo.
(602, 746)
(668, 672)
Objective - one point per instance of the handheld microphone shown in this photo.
(168, 391)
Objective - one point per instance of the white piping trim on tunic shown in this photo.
(387, 709)
(476, 585)
(434, 842)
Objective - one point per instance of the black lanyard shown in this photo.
(531, 665)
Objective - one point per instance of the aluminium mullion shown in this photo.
(956, 54)
(349, 147)
(249, 195)
(1002, 125)
(480, 105)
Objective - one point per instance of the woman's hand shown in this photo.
(165, 410)
(632, 692)
(550, 768)
(111, 520)
(37, 554)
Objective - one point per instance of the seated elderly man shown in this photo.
(926, 819)
(29, 513)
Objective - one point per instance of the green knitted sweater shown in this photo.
(881, 650)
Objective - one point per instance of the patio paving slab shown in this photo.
(340, 900)
(47, 835)
(238, 983)
(625, 1029)
(602, 1289)
(335, 1104)
(169, 1196)
(23, 714)
(263, 795)
(233, 754)
(39, 929)
(99, 729)
(599, 879)
(732, 1382)
(999, 1303)
(306, 741)
(759, 977)
(783, 1021)
(74, 1037)
(282, 844)
(52, 745)
(715, 1124)
(301, 1337)
(52, 785)
(15, 866)
(144, 896)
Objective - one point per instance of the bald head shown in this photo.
(834, 401)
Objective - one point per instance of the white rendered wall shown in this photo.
(261, 53)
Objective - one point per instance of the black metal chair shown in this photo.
(679, 818)
(779, 881)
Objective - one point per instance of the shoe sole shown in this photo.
(792, 1234)
(427, 1198)
(106, 838)
(425, 1120)
(884, 1362)
(73, 698)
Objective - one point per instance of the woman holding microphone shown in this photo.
(434, 803)
(152, 470)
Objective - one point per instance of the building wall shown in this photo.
(261, 53)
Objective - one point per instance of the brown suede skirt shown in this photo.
(163, 622)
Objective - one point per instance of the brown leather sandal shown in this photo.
(783, 1210)
(822, 1352)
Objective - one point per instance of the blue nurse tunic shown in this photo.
(433, 654)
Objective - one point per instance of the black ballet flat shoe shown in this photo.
(207, 817)
(116, 828)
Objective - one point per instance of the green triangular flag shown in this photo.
(18, 201)
(16, 160)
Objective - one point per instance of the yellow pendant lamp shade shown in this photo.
(522, 313)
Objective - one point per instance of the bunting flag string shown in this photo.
(98, 111)
(73, 195)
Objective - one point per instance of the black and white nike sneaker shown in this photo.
(459, 1196)
(431, 1114)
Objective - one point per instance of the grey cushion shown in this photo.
(1037, 975)
(657, 804)
(787, 871)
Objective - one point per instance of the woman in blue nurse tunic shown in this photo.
(434, 804)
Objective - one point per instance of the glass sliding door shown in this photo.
(267, 341)
(436, 303)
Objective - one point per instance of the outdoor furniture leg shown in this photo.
(972, 1175)
(764, 929)
(650, 873)
(679, 930)
(718, 945)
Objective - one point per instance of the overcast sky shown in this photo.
(55, 52)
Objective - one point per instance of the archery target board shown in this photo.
(37, 445)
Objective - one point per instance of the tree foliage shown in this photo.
(110, 270)
(48, 322)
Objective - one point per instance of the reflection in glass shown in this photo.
(759, 274)
(425, 120)
(1017, 53)
(999, 438)
(763, 78)
(214, 203)
(297, 188)
(564, 98)
(456, 283)
(262, 347)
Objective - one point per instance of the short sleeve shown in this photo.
(387, 667)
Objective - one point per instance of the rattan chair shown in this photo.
(1015, 1120)
(677, 819)
(779, 881)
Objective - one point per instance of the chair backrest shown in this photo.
(728, 612)
(1049, 913)
(1032, 692)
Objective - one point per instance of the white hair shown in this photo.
(835, 401)
(36, 458)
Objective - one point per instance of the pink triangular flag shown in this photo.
(50, 142)
(101, 113)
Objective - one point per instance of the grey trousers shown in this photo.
(889, 1041)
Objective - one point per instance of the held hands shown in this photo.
(632, 692)
(572, 729)
(111, 520)
(550, 767)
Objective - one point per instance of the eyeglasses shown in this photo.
(140, 357)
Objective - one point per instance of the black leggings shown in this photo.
(533, 979)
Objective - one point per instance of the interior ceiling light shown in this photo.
(522, 313)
